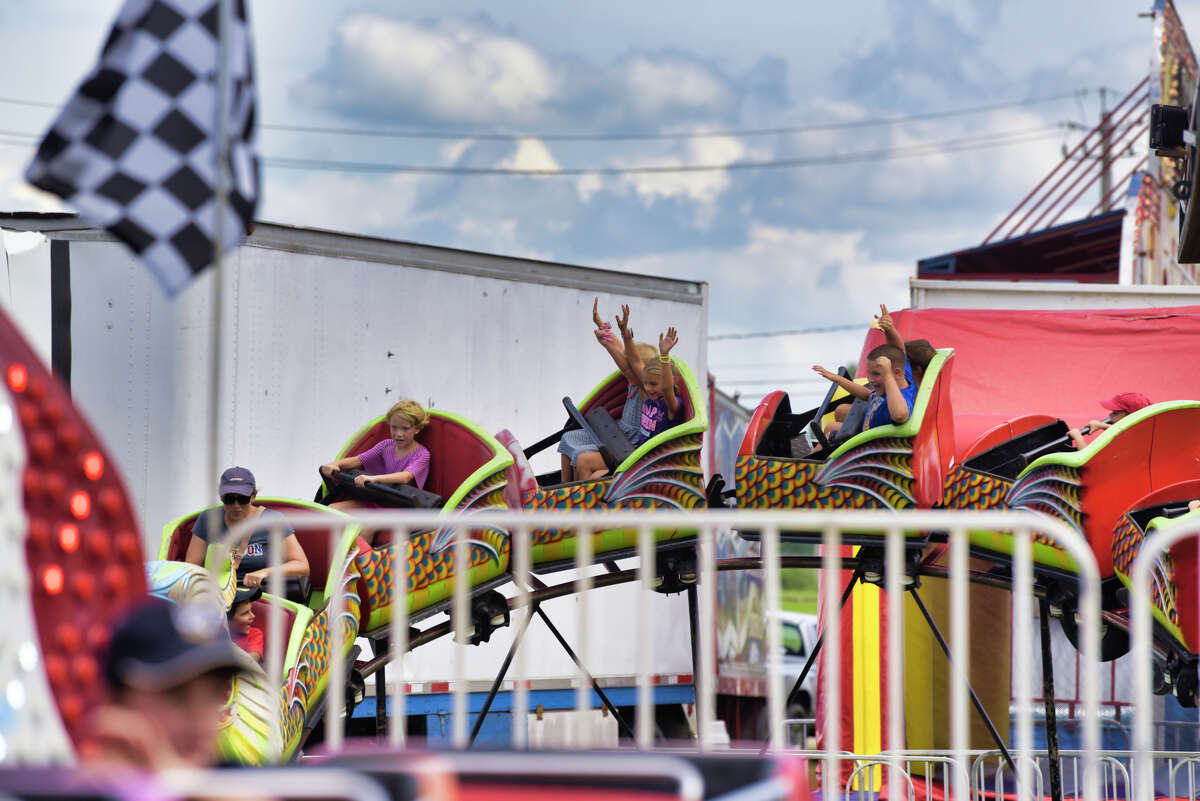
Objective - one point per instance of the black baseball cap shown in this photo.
(244, 595)
(161, 645)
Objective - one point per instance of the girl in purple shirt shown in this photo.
(398, 460)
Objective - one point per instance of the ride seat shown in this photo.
(456, 452)
(612, 398)
(262, 612)
(685, 400)
(181, 537)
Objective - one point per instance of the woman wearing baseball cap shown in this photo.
(1118, 406)
(238, 490)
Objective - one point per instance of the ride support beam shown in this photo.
(508, 658)
(626, 729)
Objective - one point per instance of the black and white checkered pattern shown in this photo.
(135, 149)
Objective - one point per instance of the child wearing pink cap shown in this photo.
(1119, 406)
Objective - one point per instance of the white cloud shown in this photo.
(666, 84)
(531, 154)
(502, 234)
(786, 278)
(472, 72)
(587, 186)
(344, 202)
(453, 69)
(453, 151)
(701, 188)
(826, 276)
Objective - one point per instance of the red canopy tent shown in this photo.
(1061, 363)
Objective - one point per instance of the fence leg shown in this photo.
(1051, 712)
(612, 710)
(381, 717)
(491, 696)
(987, 721)
(694, 631)
(816, 651)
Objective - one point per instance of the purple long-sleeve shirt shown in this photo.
(381, 459)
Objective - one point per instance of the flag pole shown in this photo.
(221, 200)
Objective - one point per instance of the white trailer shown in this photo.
(321, 332)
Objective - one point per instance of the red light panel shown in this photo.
(68, 537)
(81, 505)
(93, 465)
(52, 579)
(83, 547)
(18, 378)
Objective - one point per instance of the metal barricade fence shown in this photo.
(1152, 549)
(1175, 735)
(893, 526)
(805, 726)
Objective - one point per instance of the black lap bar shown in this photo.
(400, 496)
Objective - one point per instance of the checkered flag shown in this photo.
(135, 149)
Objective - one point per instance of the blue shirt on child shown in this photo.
(877, 408)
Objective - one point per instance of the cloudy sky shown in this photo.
(808, 246)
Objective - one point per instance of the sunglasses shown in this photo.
(231, 499)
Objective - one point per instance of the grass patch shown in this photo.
(800, 590)
(799, 601)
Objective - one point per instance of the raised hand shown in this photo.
(821, 371)
(884, 319)
(623, 321)
(667, 341)
(885, 364)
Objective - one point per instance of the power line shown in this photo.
(885, 154)
(635, 136)
(999, 139)
(790, 332)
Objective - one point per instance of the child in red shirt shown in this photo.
(241, 616)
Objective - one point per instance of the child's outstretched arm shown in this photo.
(853, 387)
(665, 343)
(897, 405)
(609, 341)
(888, 326)
(345, 463)
(632, 357)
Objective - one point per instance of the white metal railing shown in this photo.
(893, 526)
(1142, 644)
